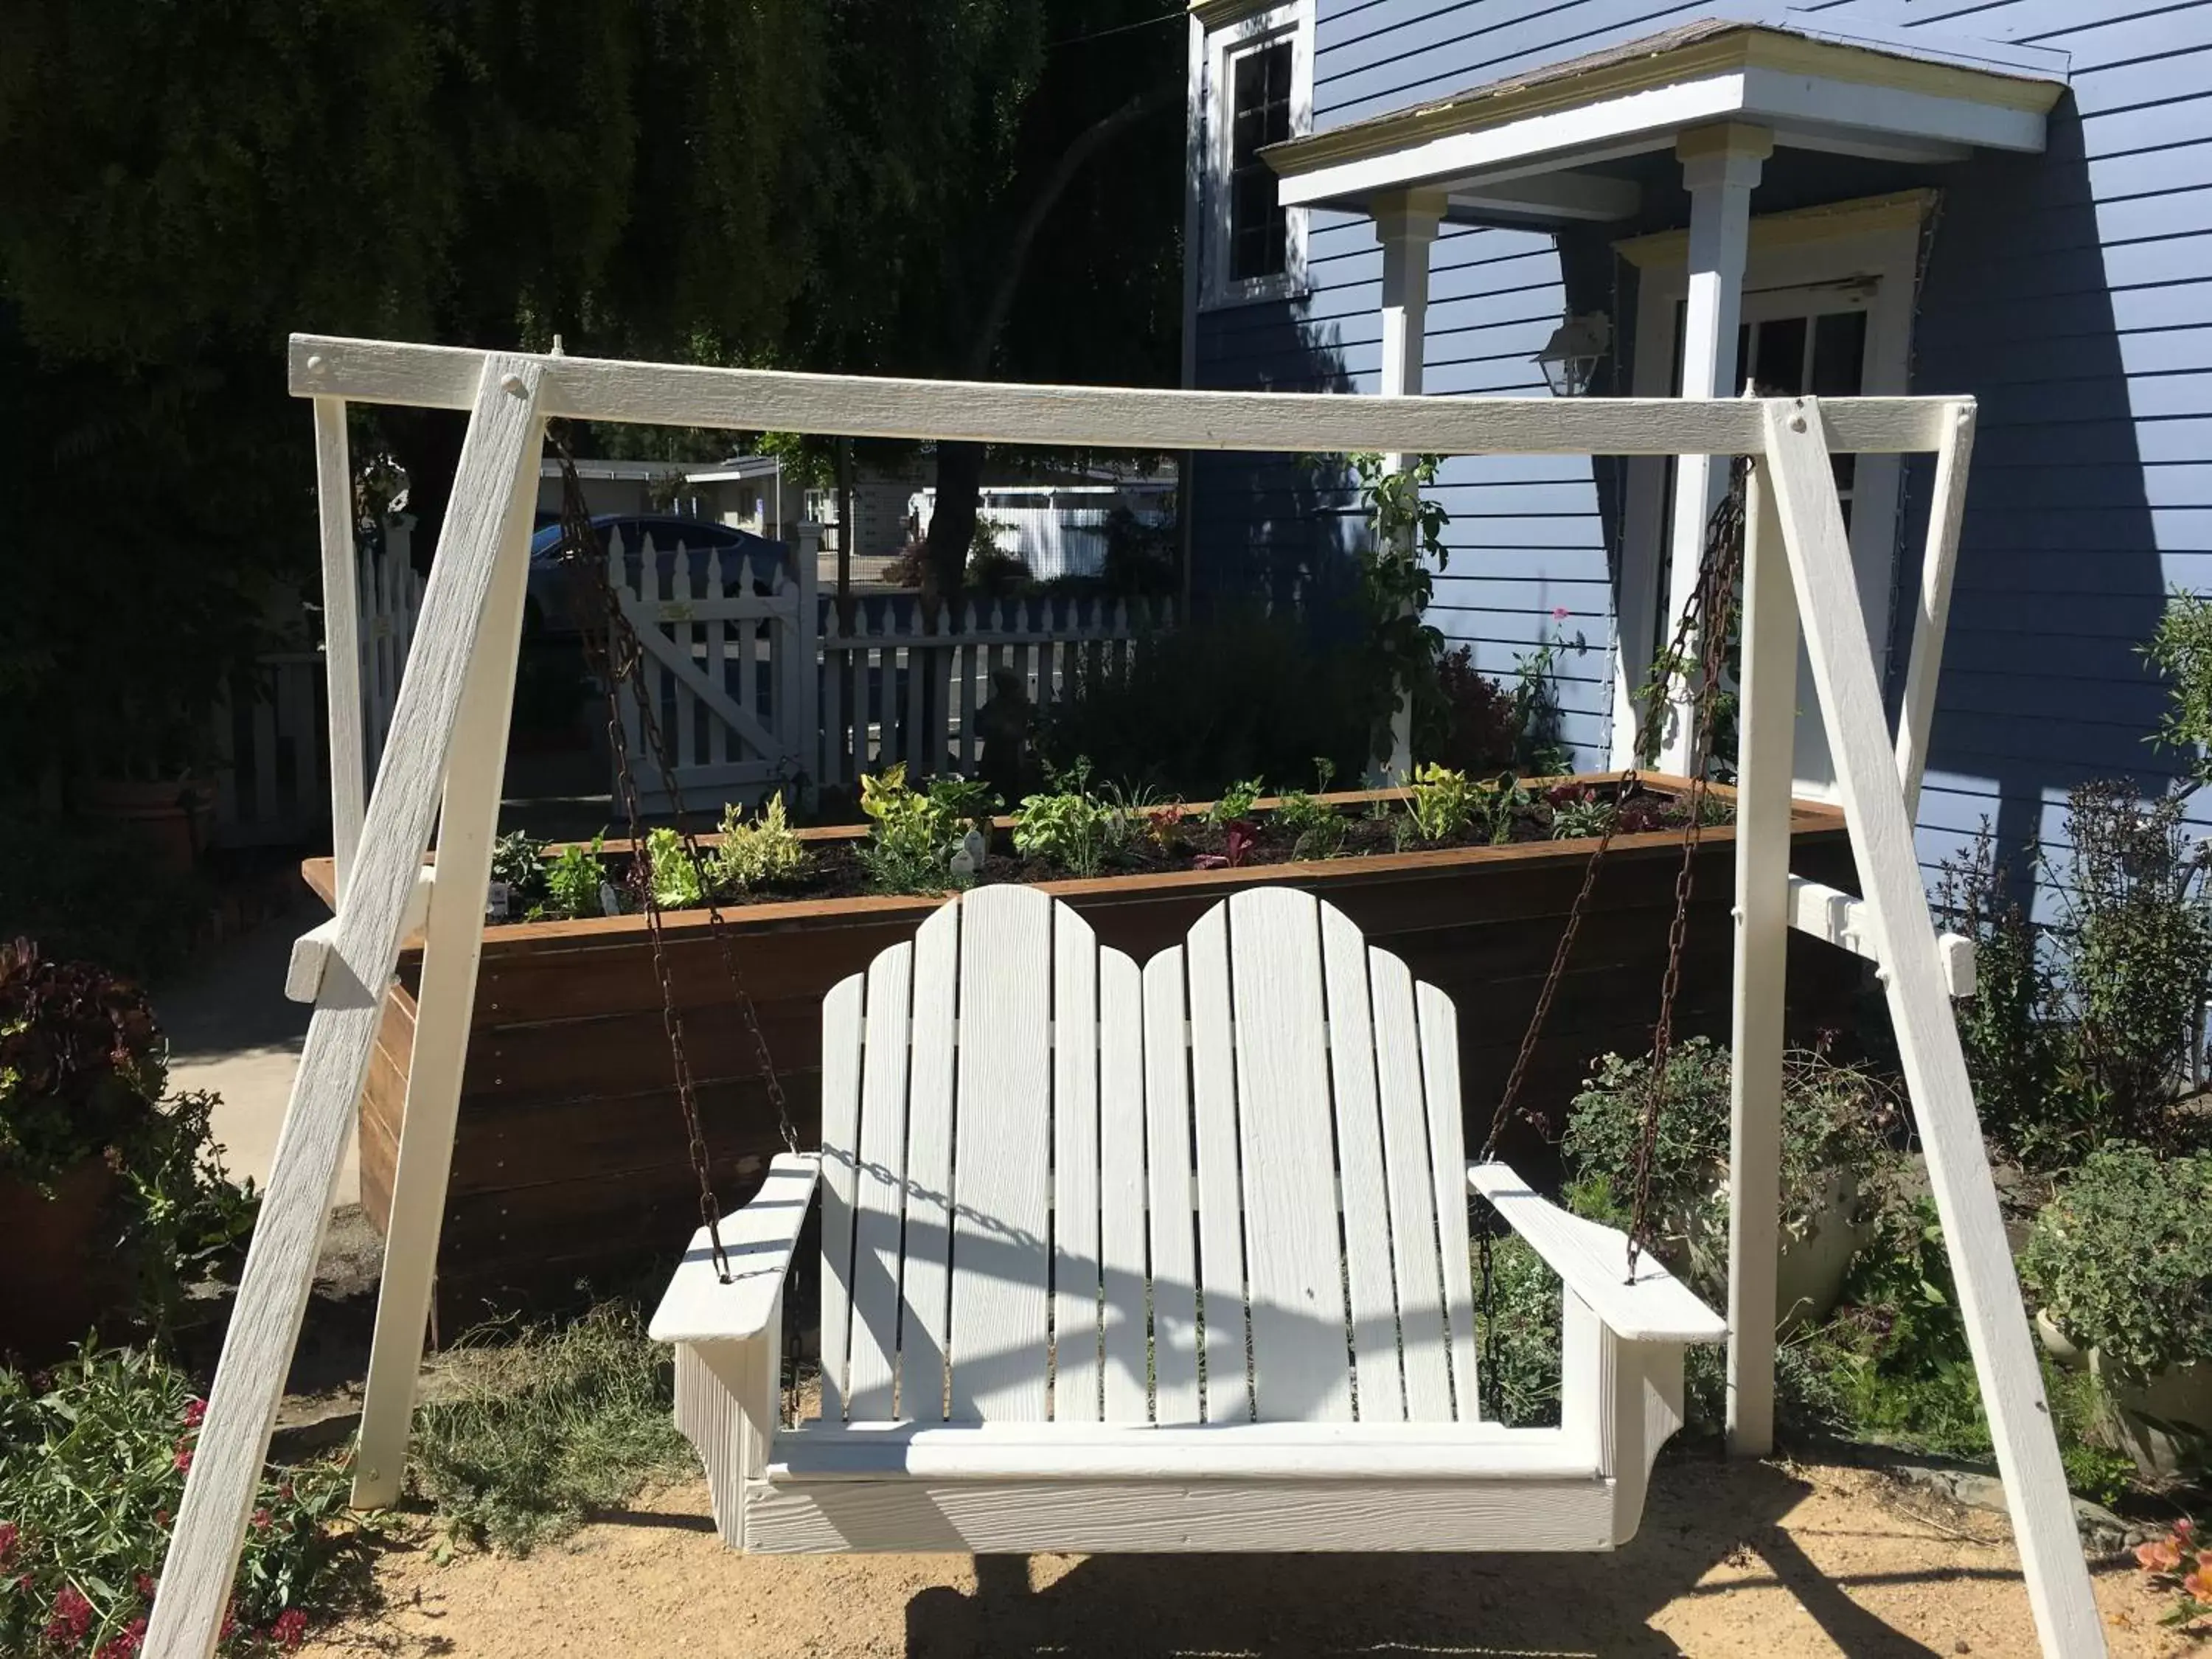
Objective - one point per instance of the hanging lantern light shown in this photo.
(1569, 358)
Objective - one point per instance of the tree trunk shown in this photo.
(952, 524)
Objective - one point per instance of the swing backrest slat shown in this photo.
(1229, 1188)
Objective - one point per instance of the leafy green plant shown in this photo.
(2181, 650)
(1441, 803)
(1498, 807)
(1069, 826)
(1836, 1122)
(2120, 1259)
(1317, 828)
(916, 831)
(1579, 810)
(1236, 801)
(1398, 570)
(517, 859)
(674, 873)
(546, 1424)
(2135, 939)
(93, 1459)
(574, 878)
(1538, 749)
(764, 853)
(1518, 1326)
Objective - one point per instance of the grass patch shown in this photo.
(547, 1424)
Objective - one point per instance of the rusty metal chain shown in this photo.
(1719, 570)
(1719, 576)
(617, 659)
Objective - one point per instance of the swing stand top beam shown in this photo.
(448, 730)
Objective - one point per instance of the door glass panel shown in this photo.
(1778, 361)
(1839, 371)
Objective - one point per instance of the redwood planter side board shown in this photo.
(569, 1160)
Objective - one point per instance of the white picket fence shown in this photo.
(728, 642)
(271, 735)
(900, 687)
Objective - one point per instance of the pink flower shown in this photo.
(195, 1412)
(8, 1536)
(72, 1620)
(229, 1620)
(2198, 1585)
(125, 1646)
(160, 1517)
(1560, 613)
(145, 1586)
(2160, 1555)
(261, 1520)
(289, 1630)
(184, 1458)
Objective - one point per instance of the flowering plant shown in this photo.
(92, 1460)
(2178, 1563)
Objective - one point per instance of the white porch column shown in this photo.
(1406, 225)
(1720, 167)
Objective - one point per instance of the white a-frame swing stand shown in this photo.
(442, 763)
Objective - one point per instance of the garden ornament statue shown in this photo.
(1094, 1233)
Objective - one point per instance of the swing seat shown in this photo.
(1172, 1258)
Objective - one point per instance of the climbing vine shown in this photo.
(1397, 578)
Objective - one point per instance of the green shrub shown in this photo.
(673, 871)
(765, 853)
(519, 860)
(1836, 1121)
(2181, 650)
(2079, 1031)
(93, 1462)
(1441, 803)
(1519, 1336)
(918, 832)
(574, 878)
(1316, 827)
(2121, 1258)
(548, 1424)
(1191, 709)
(1069, 826)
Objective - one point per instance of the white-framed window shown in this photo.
(1259, 91)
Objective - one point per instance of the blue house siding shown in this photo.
(2071, 293)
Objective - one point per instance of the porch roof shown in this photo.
(1534, 146)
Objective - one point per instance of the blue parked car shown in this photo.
(561, 601)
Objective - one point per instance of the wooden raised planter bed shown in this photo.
(569, 1161)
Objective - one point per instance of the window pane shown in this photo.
(1779, 366)
(1259, 115)
(1840, 354)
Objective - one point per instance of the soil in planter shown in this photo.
(836, 868)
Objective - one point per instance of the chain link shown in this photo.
(617, 659)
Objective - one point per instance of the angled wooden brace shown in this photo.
(1904, 941)
(493, 492)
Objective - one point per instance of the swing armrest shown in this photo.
(1592, 1260)
(760, 1240)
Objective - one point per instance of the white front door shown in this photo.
(1830, 316)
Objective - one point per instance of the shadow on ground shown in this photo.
(1275, 1606)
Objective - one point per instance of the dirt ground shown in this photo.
(1741, 1559)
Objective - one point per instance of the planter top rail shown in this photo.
(1113, 417)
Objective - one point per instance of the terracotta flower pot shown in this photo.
(168, 816)
(59, 1278)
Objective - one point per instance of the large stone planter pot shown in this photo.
(569, 1158)
(57, 1274)
(1815, 1260)
(2164, 1423)
(168, 817)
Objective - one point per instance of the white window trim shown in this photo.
(1888, 250)
(1293, 20)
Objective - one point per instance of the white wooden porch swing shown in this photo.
(1120, 1257)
